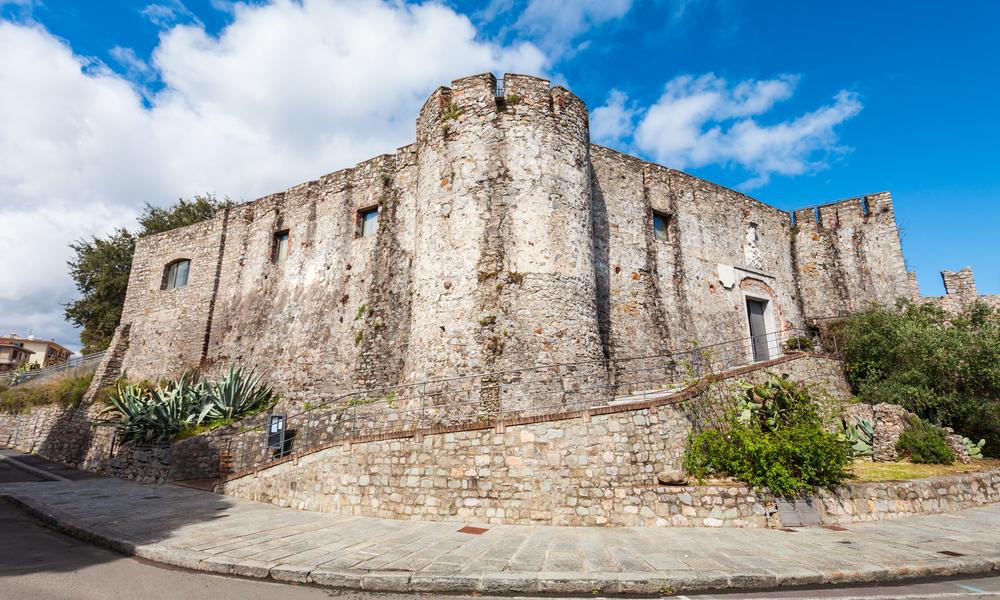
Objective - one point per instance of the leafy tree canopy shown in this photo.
(101, 267)
(944, 367)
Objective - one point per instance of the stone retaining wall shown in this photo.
(892, 499)
(576, 473)
(567, 470)
(72, 436)
(580, 469)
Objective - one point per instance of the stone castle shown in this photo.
(501, 238)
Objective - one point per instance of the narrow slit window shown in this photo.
(661, 226)
(367, 222)
(176, 274)
(279, 251)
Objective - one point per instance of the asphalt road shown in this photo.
(11, 474)
(37, 563)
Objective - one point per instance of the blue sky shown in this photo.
(112, 103)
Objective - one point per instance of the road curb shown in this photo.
(661, 583)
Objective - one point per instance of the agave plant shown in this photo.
(148, 415)
(860, 435)
(238, 392)
(975, 450)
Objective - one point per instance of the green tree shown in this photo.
(184, 212)
(944, 367)
(102, 265)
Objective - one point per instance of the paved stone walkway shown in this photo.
(200, 530)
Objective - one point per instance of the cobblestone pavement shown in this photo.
(199, 530)
(37, 563)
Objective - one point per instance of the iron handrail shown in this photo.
(71, 364)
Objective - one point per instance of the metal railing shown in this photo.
(75, 365)
(490, 398)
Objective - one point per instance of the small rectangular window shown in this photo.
(367, 222)
(279, 251)
(177, 274)
(661, 226)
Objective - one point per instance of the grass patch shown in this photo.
(866, 470)
(64, 390)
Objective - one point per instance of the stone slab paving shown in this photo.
(199, 530)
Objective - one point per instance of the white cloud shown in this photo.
(556, 24)
(136, 69)
(611, 123)
(705, 120)
(169, 13)
(287, 92)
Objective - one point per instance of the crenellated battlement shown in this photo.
(960, 291)
(832, 215)
(848, 254)
(482, 97)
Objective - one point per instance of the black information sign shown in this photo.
(276, 432)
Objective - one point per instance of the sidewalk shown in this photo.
(199, 530)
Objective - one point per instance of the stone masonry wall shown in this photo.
(847, 256)
(168, 327)
(960, 291)
(580, 470)
(505, 240)
(73, 436)
(893, 499)
(667, 294)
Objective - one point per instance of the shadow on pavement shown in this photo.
(137, 513)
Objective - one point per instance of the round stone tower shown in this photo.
(503, 272)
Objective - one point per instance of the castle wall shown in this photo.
(505, 240)
(503, 274)
(481, 261)
(848, 255)
(334, 313)
(169, 326)
(959, 291)
(658, 295)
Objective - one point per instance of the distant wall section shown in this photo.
(848, 255)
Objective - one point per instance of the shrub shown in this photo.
(802, 342)
(924, 443)
(781, 445)
(943, 367)
(787, 461)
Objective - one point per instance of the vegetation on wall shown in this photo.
(774, 439)
(65, 390)
(101, 267)
(146, 413)
(943, 367)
